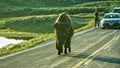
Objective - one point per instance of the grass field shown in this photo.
(34, 21)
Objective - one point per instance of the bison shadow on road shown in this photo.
(99, 58)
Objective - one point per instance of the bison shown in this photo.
(63, 31)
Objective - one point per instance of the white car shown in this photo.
(110, 20)
(116, 10)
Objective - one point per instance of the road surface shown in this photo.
(95, 48)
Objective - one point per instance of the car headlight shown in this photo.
(102, 21)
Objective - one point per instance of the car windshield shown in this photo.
(116, 11)
(112, 16)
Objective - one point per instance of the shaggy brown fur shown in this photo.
(63, 32)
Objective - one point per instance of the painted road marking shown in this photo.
(13, 54)
(103, 48)
(113, 42)
(89, 58)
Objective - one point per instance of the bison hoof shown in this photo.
(69, 50)
(65, 52)
(59, 53)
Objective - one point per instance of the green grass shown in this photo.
(89, 7)
(43, 3)
(18, 12)
(108, 5)
(10, 8)
(18, 8)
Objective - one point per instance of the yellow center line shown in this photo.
(89, 58)
(113, 42)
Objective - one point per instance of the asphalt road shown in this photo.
(95, 48)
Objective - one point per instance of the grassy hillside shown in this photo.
(17, 8)
(107, 4)
(43, 3)
(11, 8)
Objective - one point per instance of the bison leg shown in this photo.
(57, 45)
(59, 53)
(67, 44)
(65, 51)
(60, 50)
(69, 49)
(60, 47)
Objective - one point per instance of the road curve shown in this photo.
(94, 48)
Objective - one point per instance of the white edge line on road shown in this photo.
(88, 59)
(25, 50)
(13, 54)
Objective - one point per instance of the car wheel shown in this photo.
(119, 27)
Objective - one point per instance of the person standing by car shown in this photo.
(96, 14)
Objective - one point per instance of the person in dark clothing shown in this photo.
(64, 31)
(96, 18)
